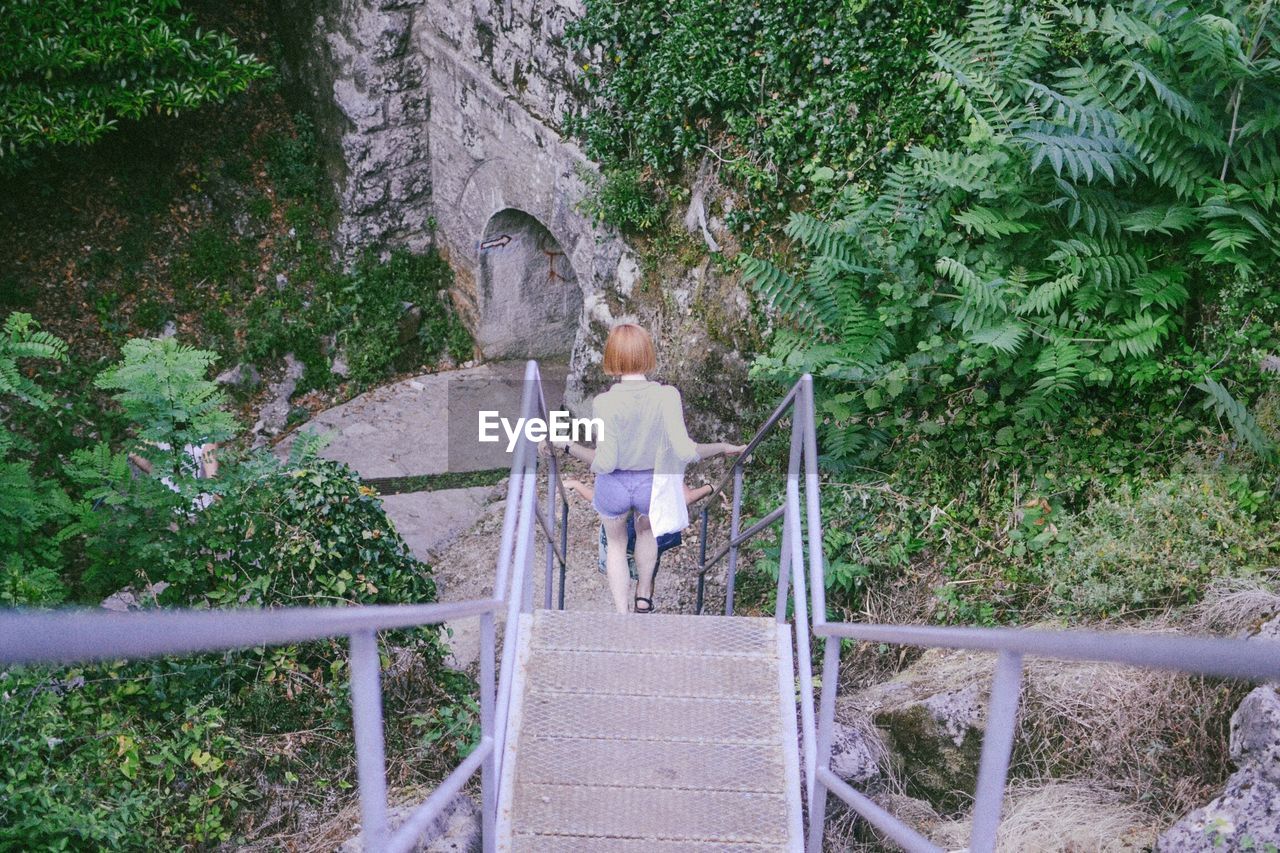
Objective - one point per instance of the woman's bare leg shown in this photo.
(615, 561)
(646, 557)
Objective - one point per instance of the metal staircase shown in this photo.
(638, 732)
(607, 732)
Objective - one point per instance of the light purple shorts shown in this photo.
(620, 492)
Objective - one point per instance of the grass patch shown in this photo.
(436, 482)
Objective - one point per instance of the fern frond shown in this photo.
(1140, 335)
(1241, 420)
(1044, 298)
(1164, 288)
(1007, 337)
(1164, 219)
(1081, 157)
(777, 287)
(990, 223)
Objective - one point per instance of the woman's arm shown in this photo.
(706, 451)
(584, 491)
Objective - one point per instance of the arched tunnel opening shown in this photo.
(530, 299)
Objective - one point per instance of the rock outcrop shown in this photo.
(932, 718)
(1246, 815)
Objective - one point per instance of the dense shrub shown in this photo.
(365, 308)
(765, 85)
(29, 505)
(300, 534)
(72, 69)
(112, 757)
(1068, 249)
(166, 754)
(1143, 551)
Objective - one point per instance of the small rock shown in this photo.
(241, 376)
(856, 753)
(339, 367)
(128, 599)
(410, 322)
(170, 329)
(276, 413)
(1247, 812)
(628, 274)
(1255, 732)
(1248, 808)
(282, 281)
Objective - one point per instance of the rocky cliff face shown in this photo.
(443, 122)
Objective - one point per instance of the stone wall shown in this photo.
(439, 116)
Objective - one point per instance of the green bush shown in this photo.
(769, 84)
(365, 308)
(167, 754)
(106, 757)
(29, 504)
(72, 69)
(301, 534)
(624, 198)
(1145, 550)
(1068, 249)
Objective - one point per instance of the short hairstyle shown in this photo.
(628, 350)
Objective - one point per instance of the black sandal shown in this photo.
(647, 601)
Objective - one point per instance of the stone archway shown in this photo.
(529, 297)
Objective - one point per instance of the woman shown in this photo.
(643, 428)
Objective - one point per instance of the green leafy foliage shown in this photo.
(108, 757)
(1141, 552)
(29, 505)
(161, 384)
(304, 533)
(366, 307)
(1058, 251)
(168, 754)
(71, 70)
(762, 85)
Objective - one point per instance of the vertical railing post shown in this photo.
(549, 580)
(997, 746)
(488, 701)
(784, 574)
(371, 765)
(731, 573)
(702, 563)
(804, 412)
(822, 753)
(795, 542)
(564, 546)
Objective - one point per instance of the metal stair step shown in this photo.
(676, 719)
(649, 764)
(657, 633)
(651, 674)
(652, 813)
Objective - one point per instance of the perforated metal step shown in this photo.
(651, 732)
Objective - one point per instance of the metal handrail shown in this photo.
(1254, 660)
(82, 635)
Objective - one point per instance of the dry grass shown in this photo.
(1234, 606)
(1062, 817)
(1155, 737)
